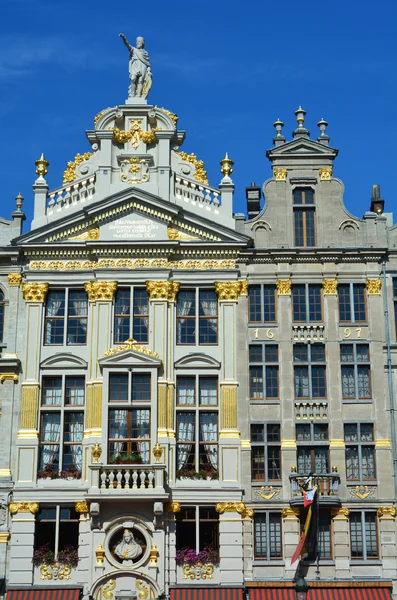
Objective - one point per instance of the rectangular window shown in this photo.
(135, 301)
(265, 452)
(263, 372)
(363, 535)
(307, 304)
(267, 536)
(321, 544)
(76, 317)
(57, 526)
(197, 424)
(197, 311)
(352, 302)
(262, 304)
(309, 371)
(61, 426)
(129, 435)
(312, 448)
(360, 451)
(356, 371)
(197, 528)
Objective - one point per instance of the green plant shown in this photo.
(125, 459)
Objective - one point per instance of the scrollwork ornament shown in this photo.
(34, 292)
(143, 590)
(55, 571)
(14, 279)
(374, 286)
(131, 344)
(172, 507)
(283, 287)
(162, 290)
(229, 291)
(134, 170)
(200, 174)
(15, 507)
(82, 507)
(268, 492)
(290, 514)
(330, 287)
(108, 589)
(198, 571)
(362, 491)
(340, 514)
(100, 290)
(387, 513)
(239, 507)
(70, 171)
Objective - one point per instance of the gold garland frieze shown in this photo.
(163, 290)
(200, 174)
(100, 290)
(23, 507)
(70, 174)
(176, 234)
(34, 292)
(131, 344)
(127, 263)
(90, 234)
(374, 286)
(239, 507)
(14, 279)
(231, 290)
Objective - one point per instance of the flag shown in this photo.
(307, 546)
(300, 547)
(309, 491)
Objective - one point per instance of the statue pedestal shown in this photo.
(136, 101)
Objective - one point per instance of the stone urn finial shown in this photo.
(226, 166)
(96, 452)
(157, 452)
(41, 166)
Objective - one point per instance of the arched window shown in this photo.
(2, 304)
(304, 217)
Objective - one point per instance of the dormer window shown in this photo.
(304, 217)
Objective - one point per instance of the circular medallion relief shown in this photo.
(127, 545)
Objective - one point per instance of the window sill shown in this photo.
(366, 401)
(325, 562)
(259, 402)
(365, 562)
(264, 562)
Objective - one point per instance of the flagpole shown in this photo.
(318, 529)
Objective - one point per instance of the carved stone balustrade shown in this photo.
(196, 193)
(134, 480)
(71, 194)
(308, 333)
(327, 488)
(311, 411)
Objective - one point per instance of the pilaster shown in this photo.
(231, 517)
(291, 532)
(22, 542)
(387, 539)
(341, 542)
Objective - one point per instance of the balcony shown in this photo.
(308, 333)
(311, 411)
(327, 486)
(134, 481)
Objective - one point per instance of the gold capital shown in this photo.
(15, 507)
(100, 290)
(290, 514)
(229, 291)
(163, 290)
(34, 292)
(387, 513)
(330, 287)
(280, 174)
(8, 377)
(340, 514)
(82, 507)
(14, 279)
(325, 173)
(374, 286)
(239, 507)
(4, 537)
(283, 287)
(172, 507)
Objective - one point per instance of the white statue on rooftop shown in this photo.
(139, 67)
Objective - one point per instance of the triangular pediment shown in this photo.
(63, 360)
(197, 360)
(302, 146)
(129, 355)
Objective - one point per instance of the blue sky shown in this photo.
(229, 70)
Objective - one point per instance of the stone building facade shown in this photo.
(171, 373)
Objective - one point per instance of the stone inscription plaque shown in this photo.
(134, 227)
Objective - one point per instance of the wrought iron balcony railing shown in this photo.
(327, 486)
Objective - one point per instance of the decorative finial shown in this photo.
(226, 165)
(300, 116)
(157, 452)
(322, 124)
(41, 166)
(279, 127)
(19, 201)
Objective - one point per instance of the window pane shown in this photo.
(141, 388)
(186, 322)
(271, 382)
(356, 536)
(74, 390)
(304, 461)
(344, 302)
(320, 432)
(271, 353)
(303, 432)
(50, 436)
(122, 316)
(208, 327)
(118, 388)
(141, 316)
(351, 432)
(257, 433)
(208, 438)
(52, 391)
(256, 383)
(300, 353)
(254, 304)
(73, 436)
(352, 464)
(275, 536)
(310, 227)
(208, 388)
(298, 223)
(54, 322)
(371, 535)
(362, 352)
(77, 317)
(185, 438)
(359, 302)
(258, 463)
(299, 303)
(348, 384)
(324, 536)
(363, 381)
(255, 353)
(298, 196)
(366, 432)
(315, 304)
(321, 460)
(301, 382)
(318, 382)
(273, 463)
(185, 391)
(260, 536)
(317, 353)
(1, 315)
(368, 462)
(273, 433)
(269, 303)
(346, 353)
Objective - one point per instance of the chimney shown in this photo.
(253, 196)
(377, 204)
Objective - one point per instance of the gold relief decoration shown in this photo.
(340, 514)
(126, 263)
(280, 174)
(200, 174)
(230, 290)
(34, 292)
(176, 234)
(14, 279)
(268, 492)
(82, 507)
(15, 507)
(4, 537)
(362, 492)
(55, 571)
(290, 514)
(135, 134)
(330, 287)
(96, 452)
(8, 377)
(172, 507)
(374, 286)
(134, 170)
(131, 344)
(100, 114)
(70, 174)
(153, 555)
(325, 173)
(143, 592)
(157, 452)
(163, 290)
(198, 571)
(383, 444)
(100, 290)
(173, 116)
(238, 507)
(387, 513)
(100, 555)
(108, 589)
(91, 234)
(283, 287)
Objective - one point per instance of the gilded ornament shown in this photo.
(172, 507)
(283, 287)
(374, 286)
(70, 174)
(135, 134)
(14, 279)
(100, 555)
(198, 571)
(341, 514)
(238, 507)
(131, 344)
(55, 571)
(90, 234)
(34, 292)
(134, 170)
(361, 491)
(176, 234)
(325, 173)
(126, 263)
(290, 514)
(267, 492)
(4, 537)
(200, 174)
(330, 287)
(100, 290)
(96, 452)
(107, 590)
(173, 116)
(15, 507)
(100, 114)
(157, 452)
(143, 590)
(226, 165)
(163, 290)
(280, 174)
(153, 555)
(82, 507)
(41, 166)
(387, 513)
(230, 290)
(8, 377)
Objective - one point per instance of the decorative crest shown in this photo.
(15, 507)
(200, 174)
(134, 134)
(157, 452)
(41, 166)
(280, 174)
(226, 165)
(387, 513)
(134, 170)
(70, 171)
(290, 514)
(340, 514)
(131, 344)
(96, 452)
(82, 507)
(325, 173)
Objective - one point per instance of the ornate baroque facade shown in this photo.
(170, 372)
